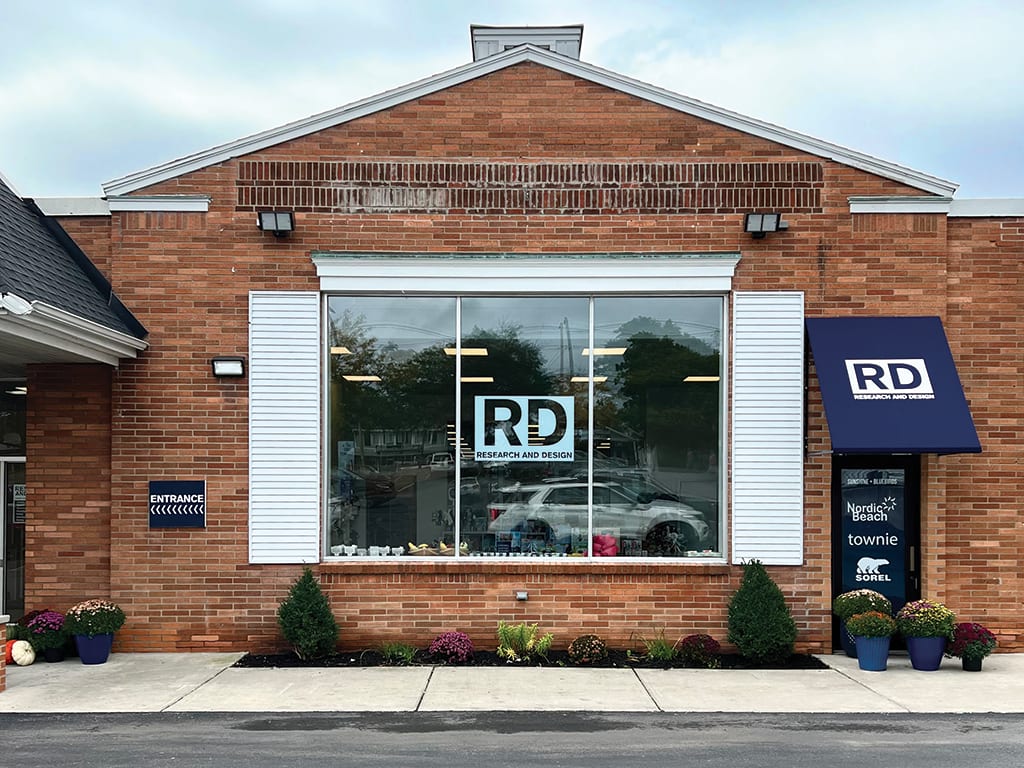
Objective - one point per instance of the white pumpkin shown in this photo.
(22, 653)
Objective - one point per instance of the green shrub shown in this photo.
(519, 642)
(586, 649)
(306, 620)
(397, 654)
(760, 624)
(700, 651)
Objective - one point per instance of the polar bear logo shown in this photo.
(870, 564)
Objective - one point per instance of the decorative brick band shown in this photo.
(529, 188)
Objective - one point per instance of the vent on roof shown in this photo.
(488, 41)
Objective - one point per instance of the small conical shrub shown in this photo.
(306, 620)
(760, 624)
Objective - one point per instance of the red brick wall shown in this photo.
(187, 278)
(92, 234)
(67, 531)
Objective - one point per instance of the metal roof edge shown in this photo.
(988, 207)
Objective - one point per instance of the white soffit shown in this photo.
(909, 204)
(527, 53)
(160, 203)
(525, 273)
(59, 336)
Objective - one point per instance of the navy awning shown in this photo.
(890, 386)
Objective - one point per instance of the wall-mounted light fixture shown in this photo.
(522, 594)
(757, 225)
(280, 223)
(228, 367)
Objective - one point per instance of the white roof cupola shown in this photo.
(488, 41)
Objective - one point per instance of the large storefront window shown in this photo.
(524, 426)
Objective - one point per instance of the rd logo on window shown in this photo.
(514, 428)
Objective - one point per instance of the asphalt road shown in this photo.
(496, 739)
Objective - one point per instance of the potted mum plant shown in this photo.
(850, 604)
(93, 624)
(972, 642)
(872, 631)
(927, 626)
(48, 635)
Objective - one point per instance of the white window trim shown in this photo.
(511, 274)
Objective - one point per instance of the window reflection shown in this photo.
(516, 462)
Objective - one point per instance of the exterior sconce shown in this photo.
(228, 367)
(522, 594)
(757, 225)
(279, 222)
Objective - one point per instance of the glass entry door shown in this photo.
(12, 538)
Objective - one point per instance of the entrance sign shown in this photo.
(177, 503)
(519, 428)
(873, 532)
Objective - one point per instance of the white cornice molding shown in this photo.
(73, 206)
(525, 273)
(988, 207)
(62, 331)
(527, 53)
(160, 203)
(906, 204)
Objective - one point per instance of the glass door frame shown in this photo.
(5, 463)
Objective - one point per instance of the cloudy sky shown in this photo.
(93, 90)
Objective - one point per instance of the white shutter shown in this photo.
(768, 427)
(284, 427)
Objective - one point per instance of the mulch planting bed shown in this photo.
(614, 660)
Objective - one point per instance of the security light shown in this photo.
(278, 222)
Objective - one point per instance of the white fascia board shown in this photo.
(498, 273)
(160, 203)
(497, 62)
(72, 206)
(909, 204)
(988, 207)
(58, 329)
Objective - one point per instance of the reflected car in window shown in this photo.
(554, 514)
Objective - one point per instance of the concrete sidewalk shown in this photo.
(204, 682)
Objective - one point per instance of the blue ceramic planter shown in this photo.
(872, 653)
(926, 652)
(94, 649)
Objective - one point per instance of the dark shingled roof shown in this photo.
(40, 262)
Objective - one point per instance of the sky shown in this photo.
(92, 91)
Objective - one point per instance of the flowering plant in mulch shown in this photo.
(700, 651)
(94, 617)
(971, 641)
(46, 630)
(871, 624)
(452, 647)
(925, 618)
(860, 601)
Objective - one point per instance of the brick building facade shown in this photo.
(525, 157)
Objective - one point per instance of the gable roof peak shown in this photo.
(488, 41)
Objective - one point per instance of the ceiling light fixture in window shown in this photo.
(467, 351)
